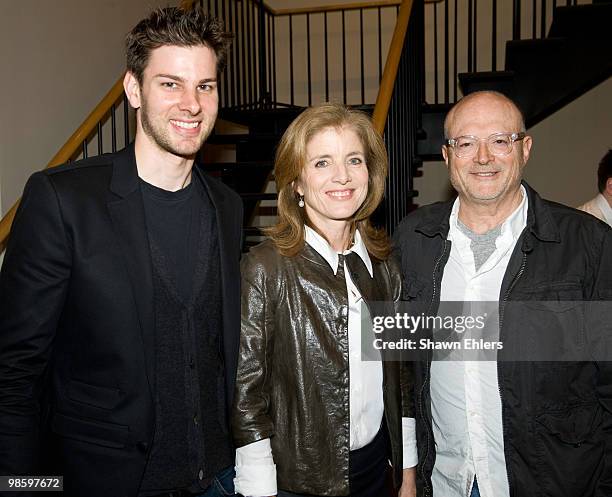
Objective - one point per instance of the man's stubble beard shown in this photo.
(473, 195)
(161, 135)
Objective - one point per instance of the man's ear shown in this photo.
(527, 142)
(445, 154)
(132, 89)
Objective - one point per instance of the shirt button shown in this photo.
(201, 474)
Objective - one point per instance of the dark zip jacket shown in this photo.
(557, 416)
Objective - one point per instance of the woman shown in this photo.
(304, 399)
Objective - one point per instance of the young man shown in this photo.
(119, 301)
(503, 428)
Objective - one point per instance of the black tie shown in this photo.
(367, 285)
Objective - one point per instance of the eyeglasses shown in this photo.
(497, 144)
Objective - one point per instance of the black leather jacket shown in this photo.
(293, 372)
(557, 416)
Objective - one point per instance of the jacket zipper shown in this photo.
(510, 288)
(427, 489)
(501, 320)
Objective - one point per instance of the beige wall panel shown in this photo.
(568, 146)
(60, 57)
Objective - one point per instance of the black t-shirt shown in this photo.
(172, 225)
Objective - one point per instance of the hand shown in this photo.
(408, 488)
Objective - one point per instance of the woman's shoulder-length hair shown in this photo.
(288, 233)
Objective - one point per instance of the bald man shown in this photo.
(501, 428)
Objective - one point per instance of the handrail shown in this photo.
(67, 151)
(338, 7)
(188, 4)
(371, 4)
(385, 89)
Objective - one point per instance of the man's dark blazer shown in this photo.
(77, 325)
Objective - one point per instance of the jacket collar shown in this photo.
(436, 220)
(124, 180)
(539, 218)
(217, 197)
(322, 247)
(128, 219)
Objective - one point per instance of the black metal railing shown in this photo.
(470, 36)
(114, 131)
(301, 57)
(244, 82)
(327, 52)
(403, 123)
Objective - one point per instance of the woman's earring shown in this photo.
(301, 201)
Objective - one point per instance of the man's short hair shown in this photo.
(604, 171)
(178, 27)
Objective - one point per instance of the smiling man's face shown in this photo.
(177, 99)
(486, 178)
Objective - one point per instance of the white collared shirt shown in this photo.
(604, 207)
(465, 401)
(598, 207)
(255, 469)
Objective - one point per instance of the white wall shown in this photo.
(59, 58)
(569, 145)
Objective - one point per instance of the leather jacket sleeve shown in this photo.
(250, 419)
(407, 385)
(406, 367)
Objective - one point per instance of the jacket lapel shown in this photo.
(128, 218)
(229, 253)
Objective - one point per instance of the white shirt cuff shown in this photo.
(255, 470)
(411, 457)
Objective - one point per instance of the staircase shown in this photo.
(268, 110)
(251, 171)
(541, 74)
